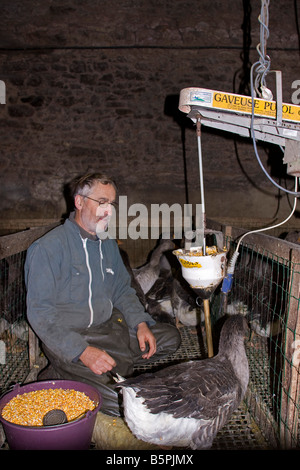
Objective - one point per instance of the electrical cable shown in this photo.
(262, 69)
(264, 63)
(228, 279)
(273, 226)
(293, 193)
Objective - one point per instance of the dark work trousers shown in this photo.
(121, 343)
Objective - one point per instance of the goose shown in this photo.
(156, 302)
(186, 404)
(159, 299)
(170, 301)
(259, 323)
(263, 281)
(293, 236)
(134, 283)
(147, 274)
(185, 307)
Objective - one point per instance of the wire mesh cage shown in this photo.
(14, 358)
(266, 290)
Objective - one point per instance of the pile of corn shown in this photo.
(29, 408)
(210, 250)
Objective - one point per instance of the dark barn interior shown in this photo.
(94, 86)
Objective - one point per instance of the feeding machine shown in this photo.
(257, 116)
(204, 273)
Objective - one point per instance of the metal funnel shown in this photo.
(203, 273)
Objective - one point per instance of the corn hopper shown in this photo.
(275, 122)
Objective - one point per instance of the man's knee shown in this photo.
(167, 336)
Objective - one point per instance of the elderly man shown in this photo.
(80, 302)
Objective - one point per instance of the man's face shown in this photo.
(91, 216)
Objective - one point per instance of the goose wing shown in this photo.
(196, 389)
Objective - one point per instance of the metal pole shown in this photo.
(205, 301)
(209, 341)
(201, 184)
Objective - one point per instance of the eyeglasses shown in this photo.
(103, 202)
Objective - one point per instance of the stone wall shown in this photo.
(95, 85)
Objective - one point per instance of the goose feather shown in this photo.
(185, 405)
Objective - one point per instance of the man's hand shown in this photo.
(97, 360)
(145, 335)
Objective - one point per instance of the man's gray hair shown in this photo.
(83, 184)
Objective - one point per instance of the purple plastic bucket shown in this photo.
(75, 435)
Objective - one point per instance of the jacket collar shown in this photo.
(82, 232)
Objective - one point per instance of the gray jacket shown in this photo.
(73, 283)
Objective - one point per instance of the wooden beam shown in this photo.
(20, 241)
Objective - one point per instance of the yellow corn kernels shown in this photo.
(29, 408)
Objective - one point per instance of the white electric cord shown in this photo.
(273, 226)
(235, 255)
